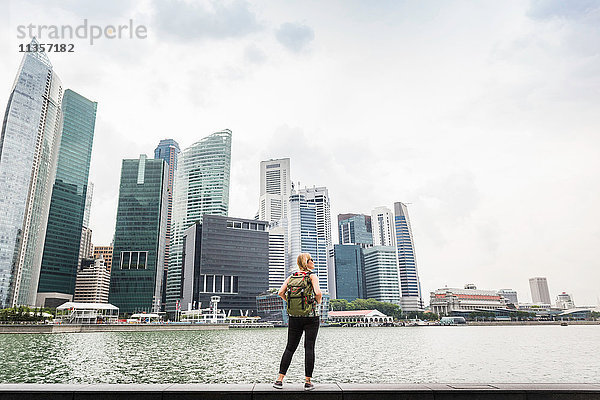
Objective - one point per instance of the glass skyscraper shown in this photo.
(355, 229)
(168, 150)
(69, 196)
(139, 248)
(410, 286)
(309, 230)
(201, 187)
(349, 272)
(28, 154)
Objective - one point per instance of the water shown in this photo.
(365, 355)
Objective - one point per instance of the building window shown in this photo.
(134, 259)
(218, 284)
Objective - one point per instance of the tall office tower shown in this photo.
(381, 274)
(275, 189)
(510, 295)
(106, 252)
(168, 150)
(139, 244)
(226, 257)
(201, 187)
(309, 230)
(28, 154)
(66, 231)
(539, 290)
(349, 272)
(277, 237)
(382, 220)
(410, 285)
(93, 282)
(86, 248)
(355, 229)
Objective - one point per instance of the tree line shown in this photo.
(389, 309)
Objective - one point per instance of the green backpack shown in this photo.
(300, 295)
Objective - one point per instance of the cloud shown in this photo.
(255, 55)
(583, 10)
(212, 19)
(295, 37)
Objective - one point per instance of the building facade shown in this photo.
(92, 283)
(564, 301)
(349, 270)
(106, 252)
(510, 295)
(410, 284)
(139, 244)
(60, 258)
(309, 230)
(275, 189)
(201, 187)
(539, 290)
(226, 257)
(382, 220)
(447, 301)
(355, 229)
(28, 155)
(277, 255)
(381, 274)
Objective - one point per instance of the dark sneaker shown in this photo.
(278, 385)
(308, 386)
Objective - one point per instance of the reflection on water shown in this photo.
(365, 355)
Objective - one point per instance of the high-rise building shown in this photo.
(226, 257)
(275, 189)
(564, 301)
(139, 245)
(86, 248)
(277, 237)
(201, 187)
(410, 285)
(539, 290)
(106, 252)
(168, 150)
(28, 155)
(66, 231)
(382, 220)
(93, 282)
(381, 274)
(510, 295)
(355, 229)
(349, 272)
(309, 230)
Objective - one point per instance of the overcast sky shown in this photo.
(483, 115)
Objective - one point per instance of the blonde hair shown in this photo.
(302, 262)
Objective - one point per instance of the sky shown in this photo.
(482, 115)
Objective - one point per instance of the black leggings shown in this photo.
(297, 325)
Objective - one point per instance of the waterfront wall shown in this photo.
(340, 391)
(32, 328)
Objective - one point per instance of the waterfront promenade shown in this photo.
(90, 328)
(333, 391)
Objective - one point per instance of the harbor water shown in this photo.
(502, 354)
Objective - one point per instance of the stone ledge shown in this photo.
(341, 391)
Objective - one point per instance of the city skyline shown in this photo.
(461, 123)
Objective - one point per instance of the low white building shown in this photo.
(564, 301)
(360, 317)
(447, 300)
(86, 313)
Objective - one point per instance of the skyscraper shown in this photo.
(201, 187)
(355, 229)
(275, 189)
(139, 247)
(539, 290)
(28, 154)
(168, 150)
(382, 220)
(349, 272)
(381, 274)
(226, 257)
(69, 197)
(410, 285)
(309, 230)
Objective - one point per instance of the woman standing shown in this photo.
(302, 294)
